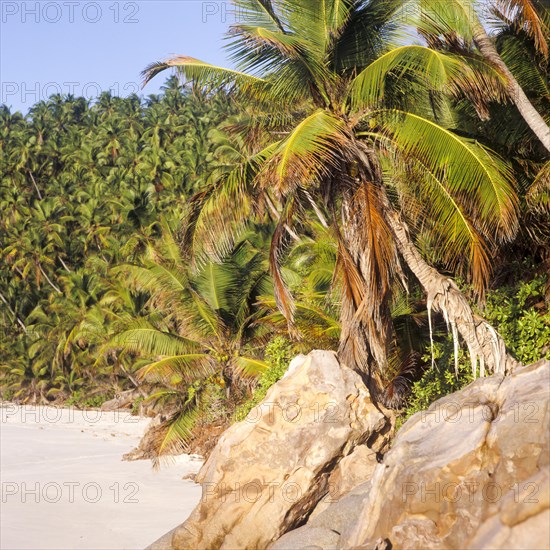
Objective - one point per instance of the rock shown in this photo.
(351, 471)
(124, 400)
(314, 538)
(470, 472)
(523, 518)
(268, 472)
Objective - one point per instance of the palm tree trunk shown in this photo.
(365, 316)
(485, 345)
(21, 324)
(525, 107)
(49, 280)
(35, 186)
(227, 374)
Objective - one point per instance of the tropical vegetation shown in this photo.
(371, 177)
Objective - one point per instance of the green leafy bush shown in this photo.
(278, 354)
(438, 381)
(522, 318)
(82, 399)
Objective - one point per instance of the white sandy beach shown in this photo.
(64, 484)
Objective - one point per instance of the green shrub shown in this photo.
(438, 381)
(278, 354)
(521, 317)
(82, 400)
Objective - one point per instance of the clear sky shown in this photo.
(85, 47)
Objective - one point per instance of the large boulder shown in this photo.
(268, 472)
(522, 520)
(471, 472)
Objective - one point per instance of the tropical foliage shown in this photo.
(345, 185)
(373, 138)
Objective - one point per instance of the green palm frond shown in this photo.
(262, 12)
(204, 317)
(538, 194)
(515, 53)
(449, 18)
(438, 211)
(524, 15)
(250, 367)
(171, 278)
(175, 435)
(435, 70)
(152, 341)
(198, 71)
(307, 154)
(477, 177)
(217, 215)
(176, 369)
(369, 28)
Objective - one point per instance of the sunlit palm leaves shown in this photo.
(329, 151)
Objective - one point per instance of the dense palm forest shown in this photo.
(345, 187)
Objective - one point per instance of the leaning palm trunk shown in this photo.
(485, 345)
(516, 93)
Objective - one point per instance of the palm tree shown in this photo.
(81, 189)
(202, 327)
(452, 19)
(352, 124)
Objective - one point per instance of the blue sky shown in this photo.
(91, 46)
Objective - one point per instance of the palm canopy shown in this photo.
(369, 133)
(205, 323)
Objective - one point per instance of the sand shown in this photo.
(64, 484)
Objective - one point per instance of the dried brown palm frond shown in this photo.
(523, 15)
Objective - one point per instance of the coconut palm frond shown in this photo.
(524, 15)
(152, 341)
(538, 194)
(478, 176)
(434, 70)
(173, 370)
(200, 72)
(307, 154)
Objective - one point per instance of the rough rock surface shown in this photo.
(451, 467)
(470, 472)
(268, 472)
(522, 520)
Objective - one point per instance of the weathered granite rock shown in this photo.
(351, 471)
(522, 520)
(268, 472)
(471, 472)
(334, 518)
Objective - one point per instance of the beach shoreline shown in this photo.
(65, 485)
